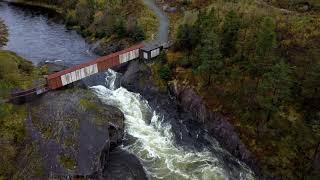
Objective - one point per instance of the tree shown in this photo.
(187, 37)
(311, 84)
(165, 72)
(137, 34)
(162, 58)
(230, 34)
(119, 27)
(266, 38)
(265, 45)
(209, 54)
(275, 88)
(210, 57)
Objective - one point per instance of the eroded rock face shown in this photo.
(217, 125)
(72, 129)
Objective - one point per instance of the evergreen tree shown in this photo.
(275, 88)
(266, 38)
(265, 55)
(210, 57)
(311, 84)
(230, 31)
(187, 37)
(209, 54)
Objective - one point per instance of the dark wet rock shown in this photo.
(304, 7)
(123, 165)
(217, 125)
(72, 129)
(169, 9)
(54, 66)
(192, 123)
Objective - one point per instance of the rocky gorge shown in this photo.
(79, 137)
(193, 124)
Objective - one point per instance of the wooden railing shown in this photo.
(29, 92)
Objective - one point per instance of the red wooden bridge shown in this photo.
(78, 72)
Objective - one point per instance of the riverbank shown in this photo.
(109, 27)
(18, 153)
(37, 4)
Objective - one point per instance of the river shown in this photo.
(35, 35)
(38, 35)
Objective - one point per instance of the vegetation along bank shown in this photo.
(112, 24)
(257, 64)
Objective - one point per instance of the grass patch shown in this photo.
(16, 154)
(69, 142)
(67, 162)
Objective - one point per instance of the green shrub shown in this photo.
(165, 73)
(162, 58)
(71, 19)
(138, 34)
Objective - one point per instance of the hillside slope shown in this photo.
(258, 65)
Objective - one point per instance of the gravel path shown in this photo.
(163, 30)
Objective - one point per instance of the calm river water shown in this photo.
(38, 35)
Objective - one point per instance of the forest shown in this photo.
(258, 65)
(108, 20)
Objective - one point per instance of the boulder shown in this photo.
(72, 129)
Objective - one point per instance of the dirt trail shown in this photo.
(163, 30)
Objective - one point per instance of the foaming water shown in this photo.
(154, 143)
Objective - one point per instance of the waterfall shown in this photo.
(153, 140)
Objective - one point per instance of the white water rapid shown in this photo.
(153, 142)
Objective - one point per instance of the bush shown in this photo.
(165, 73)
(138, 34)
(119, 28)
(71, 19)
(162, 58)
